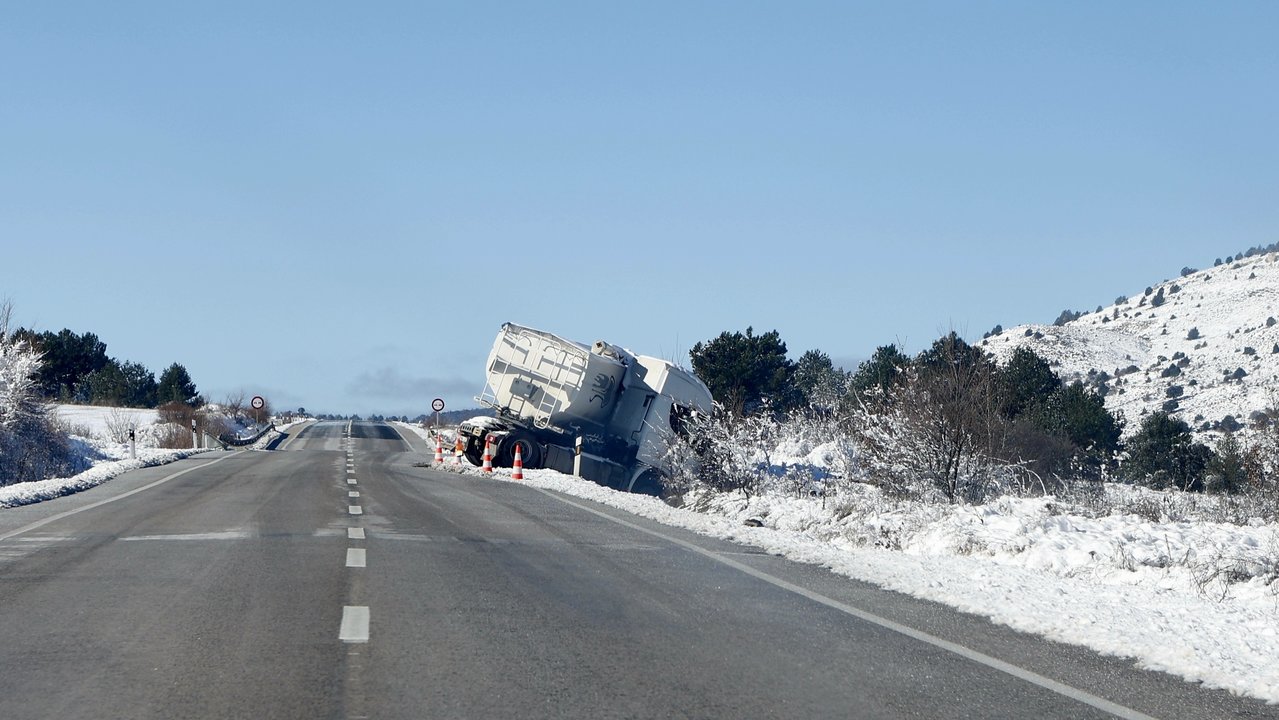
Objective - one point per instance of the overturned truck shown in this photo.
(549, 394)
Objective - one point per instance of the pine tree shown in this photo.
(1081, 415)
(747, 373)
(1163, 454)
(820, 382)
(67, 359)
(176, 386)
(1024, 382)
(882, 370)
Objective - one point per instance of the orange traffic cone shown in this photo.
(457, 452)
(439, 449)
(518, 465)
(488, 454)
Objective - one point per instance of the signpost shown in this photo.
(438, 406)
(257, 403)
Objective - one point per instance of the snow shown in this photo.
(93, 430)
(1232, 308)
(1181, 594)
(109, 461)
(98, 422)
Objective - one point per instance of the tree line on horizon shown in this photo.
(75, 368)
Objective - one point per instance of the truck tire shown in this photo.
(530, 451)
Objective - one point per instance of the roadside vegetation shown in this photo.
(32, 446)
(950, 426)
(39, 369)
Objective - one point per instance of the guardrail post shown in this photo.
(577, 457)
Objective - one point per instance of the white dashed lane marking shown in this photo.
(355, 558)
(355, 510)
(355, 624)
(355, 533)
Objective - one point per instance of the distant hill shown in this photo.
(1204, 347)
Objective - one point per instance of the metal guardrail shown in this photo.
(235, 441)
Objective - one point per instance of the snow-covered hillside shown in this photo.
(1204, 346)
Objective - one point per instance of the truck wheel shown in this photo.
(530, 451)
(648, 483)
(474, 457)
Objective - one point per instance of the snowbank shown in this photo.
(105, 457)
(108, 461)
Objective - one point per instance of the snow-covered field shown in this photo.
(1155, 582)
(98, 435)
(101, 423)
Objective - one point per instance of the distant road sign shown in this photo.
(437, 404)
(258, 403)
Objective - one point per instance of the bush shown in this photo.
(1163, 454)
(32, 446)
(1227, 472)
(1067, 316)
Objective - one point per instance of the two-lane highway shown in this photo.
(334, 578)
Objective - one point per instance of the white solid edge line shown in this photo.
(293, 437)
(355, 533)
(355, 510)
(121, 496)
(355, 624)
(978, 657)
(403, 438)
(356, 558)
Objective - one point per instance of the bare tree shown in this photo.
(234, 404)
(939, 431)
(120, 423)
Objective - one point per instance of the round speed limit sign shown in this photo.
(437, 404)
(258, 403)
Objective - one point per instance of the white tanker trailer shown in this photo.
(548, 392)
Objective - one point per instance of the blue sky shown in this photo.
(338, 204)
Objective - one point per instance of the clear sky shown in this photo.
(338, 204)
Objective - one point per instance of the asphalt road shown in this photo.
(333, 578)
